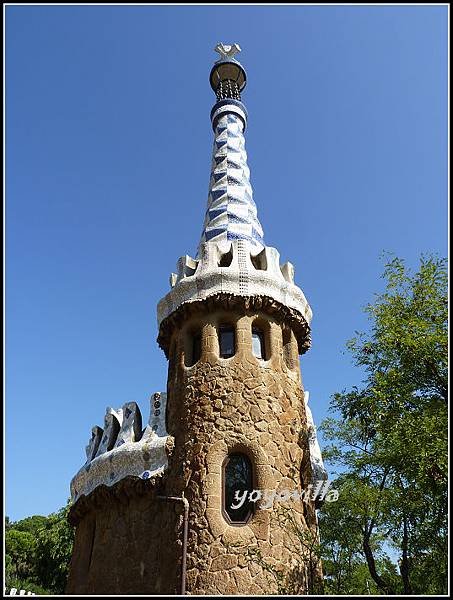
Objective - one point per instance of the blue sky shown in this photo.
(108, 145)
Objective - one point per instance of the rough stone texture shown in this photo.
(121, 544)
(130, 542)
(218, 406)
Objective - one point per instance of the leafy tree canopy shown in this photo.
(38, 551)
(390, 441)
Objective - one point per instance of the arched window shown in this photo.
(258, 344)
(237, 486)
(227, 341)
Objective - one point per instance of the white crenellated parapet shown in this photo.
(233, 267)
(317, 464)
(122, 449)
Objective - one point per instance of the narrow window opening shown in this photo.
(189, 270)
(227, 341)
(237, 487)
(226, 259)
(192, 348)
(172, 360)
(258, 344)
(196, 348)
(259, 261)
(190, 266)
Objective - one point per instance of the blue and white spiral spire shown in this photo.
(231, 212)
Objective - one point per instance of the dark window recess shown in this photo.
(172, 361)
(237, 477)
(192, 346)
(226, 342)
(196, 348)
(258, 343)
(226, 259)
(259, 261)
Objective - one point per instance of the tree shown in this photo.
(391, 437)
(53, 550)
(344, 566)
(20, 549)
(38, 551)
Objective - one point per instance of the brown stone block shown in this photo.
(224, 562)
(237, 535)
(228, 411)
(191, 579)
(262, 425)
(272, 449)
(217, 524)
(217, 549)
(211, 483)
(263, 405)
(255, 413)
(265, 581)
(243, 580)
(214, 502)
(264, 438)
(205, 583)
(261, 525)
(254, 568)
(277, 437)
(217, 404)
(256, 590)
(202, 550)
(276, 552)
(264, 476)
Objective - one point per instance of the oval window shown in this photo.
(237, 485)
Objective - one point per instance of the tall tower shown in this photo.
(190, 503)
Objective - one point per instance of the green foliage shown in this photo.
(391, 440)
(54, 548)
(38, 551)
(304, 573)
(30, 524)
(20, 548)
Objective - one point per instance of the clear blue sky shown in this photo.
(108, 146)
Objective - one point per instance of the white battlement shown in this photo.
(233, 267)
(123, 449)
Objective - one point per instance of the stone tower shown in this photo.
(195, 501)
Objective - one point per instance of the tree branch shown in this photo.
(404, 569)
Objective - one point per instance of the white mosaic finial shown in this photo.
(231, 212)
(227, 50)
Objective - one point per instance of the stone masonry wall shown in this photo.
(219, 406)
(130, 542)
(127, 542)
